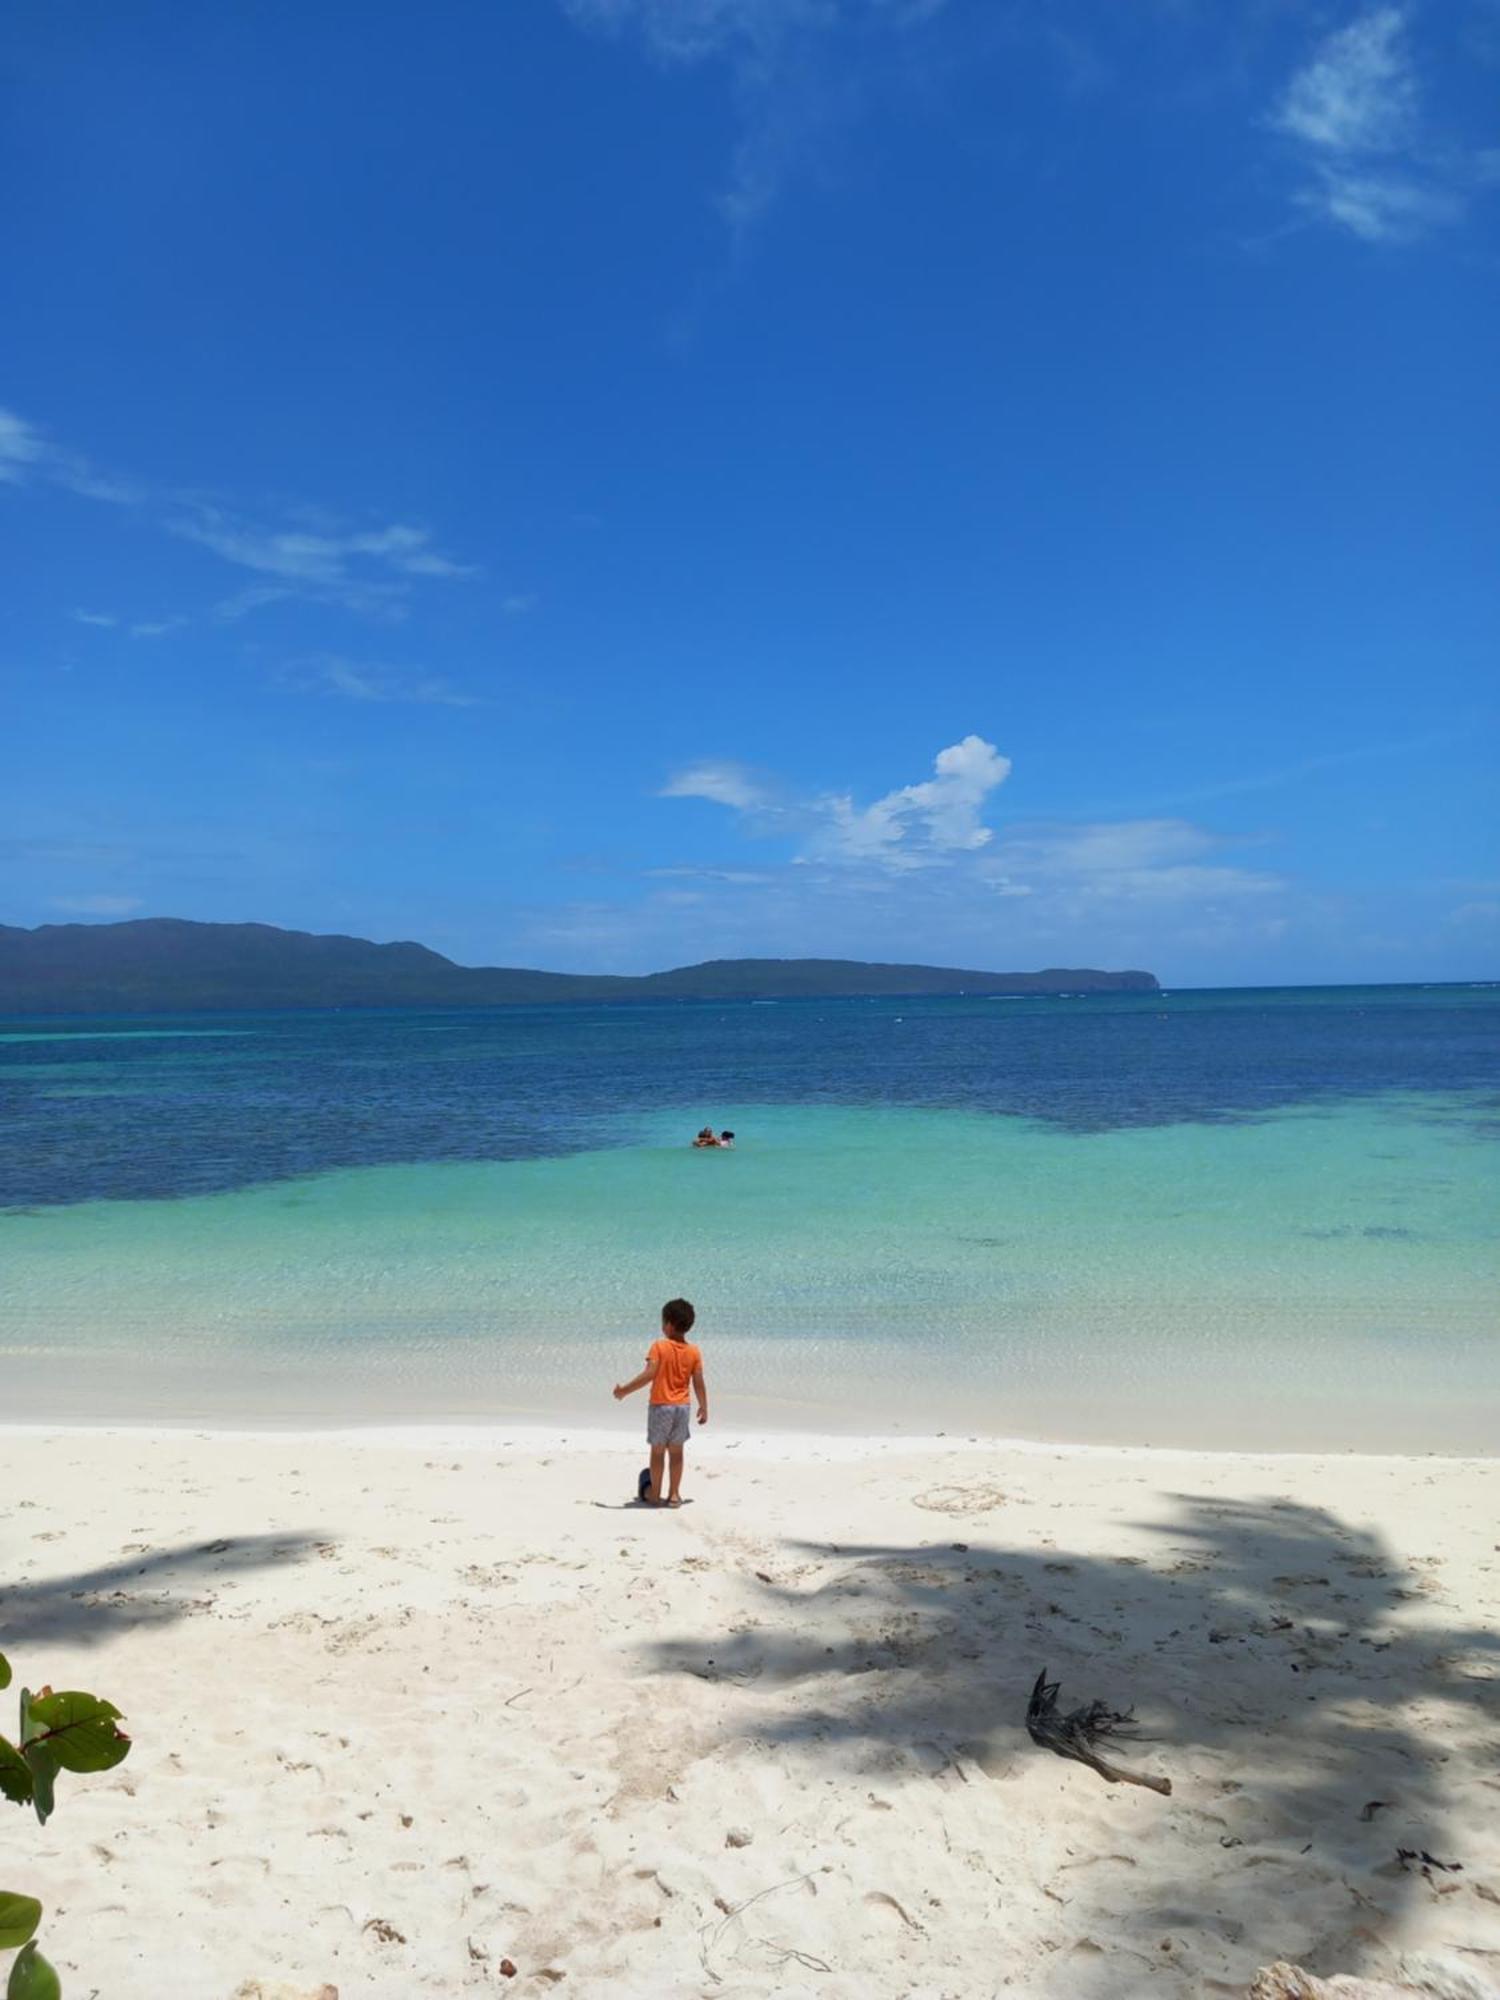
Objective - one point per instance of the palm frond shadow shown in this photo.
(156, 1587)
(1235, 1643)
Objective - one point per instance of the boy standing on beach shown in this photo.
(673, 1366)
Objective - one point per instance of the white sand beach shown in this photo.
(410, 1705)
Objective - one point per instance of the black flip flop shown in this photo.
(643, 1484)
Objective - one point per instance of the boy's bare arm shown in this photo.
(624, 1389)
(700, 1388)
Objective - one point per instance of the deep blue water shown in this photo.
(171, 1106)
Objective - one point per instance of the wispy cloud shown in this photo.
(1382, 207)
(28, 455)
(332, 674)
(799, 69)
(1358, 94)
(139, 628)
(253, 597)
(1160, 861)
(364, 567)
(361, 567)
(1354, 117)
(22, 448)
(77, 476)
(726, 784)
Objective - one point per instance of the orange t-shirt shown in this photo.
(675, 1361)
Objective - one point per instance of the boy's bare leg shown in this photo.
(674, 1456)
(658, 1461)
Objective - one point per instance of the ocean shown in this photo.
(1244, 1219)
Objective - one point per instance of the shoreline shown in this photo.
(272, 1393)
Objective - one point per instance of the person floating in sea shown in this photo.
(727, 1139)
(674, 1365)
(706, 1137)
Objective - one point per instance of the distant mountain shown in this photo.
(166, 965)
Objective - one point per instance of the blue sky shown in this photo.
(608, 483)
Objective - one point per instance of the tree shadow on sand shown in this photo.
(154, 1588)
(1289, 1670)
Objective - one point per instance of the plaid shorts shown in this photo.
(667, 1423)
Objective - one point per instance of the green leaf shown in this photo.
(32, 1978)
(78, 1729)
(15, 1775)
(41, 1761)
(19, 1917)
(4, 1671)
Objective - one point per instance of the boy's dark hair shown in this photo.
(678, 1315)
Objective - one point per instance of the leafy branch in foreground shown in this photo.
(59, 1732)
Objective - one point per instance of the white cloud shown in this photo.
(1354, 116)
(800, 70)
(80, 478)
(254, 597)
(1148, 860)
(331, 673)
(911, 827)
(1358, 94)
(367, 569)
(924, 857)
(1380, 207)
(1108, 846)
(726, 784)
(144, 628)
(22, 447)
(360, 567)
(28, 453)
(687, 30)
(97, 906)
(914, 826)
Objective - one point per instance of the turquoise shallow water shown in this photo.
(1319, 1276)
